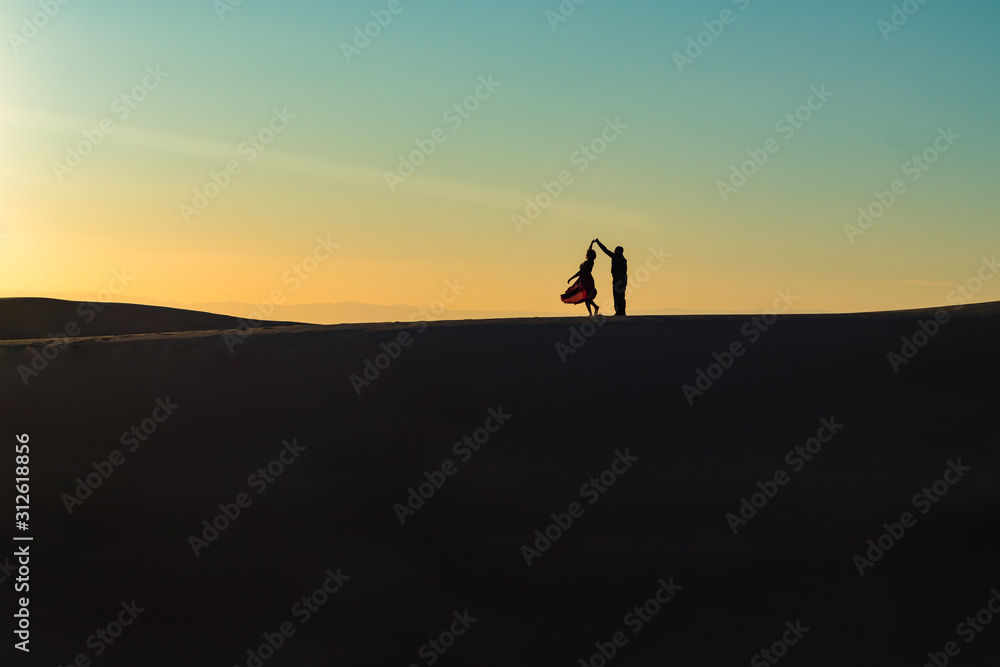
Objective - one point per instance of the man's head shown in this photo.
(620, 251)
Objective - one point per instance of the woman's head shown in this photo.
(591, 255)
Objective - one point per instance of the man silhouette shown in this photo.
(619, 276)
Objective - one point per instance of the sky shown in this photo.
(387, 152)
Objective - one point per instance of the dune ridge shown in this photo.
(374, 413)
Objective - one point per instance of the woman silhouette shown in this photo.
(583, 290)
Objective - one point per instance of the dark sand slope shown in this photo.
(665, 516)
(22, 318)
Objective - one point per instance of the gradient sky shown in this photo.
(655, 186)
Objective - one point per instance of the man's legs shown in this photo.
(619, 291)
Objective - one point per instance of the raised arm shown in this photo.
(606, 251)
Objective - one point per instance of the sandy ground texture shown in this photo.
(704, 490)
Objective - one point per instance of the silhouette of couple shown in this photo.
(584, 290)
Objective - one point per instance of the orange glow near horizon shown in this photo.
(108, 158)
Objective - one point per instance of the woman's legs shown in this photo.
(590, 302)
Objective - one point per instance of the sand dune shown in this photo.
(509, 422)
(24, 318)
(328, 313)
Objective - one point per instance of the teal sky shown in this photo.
(656, 186)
